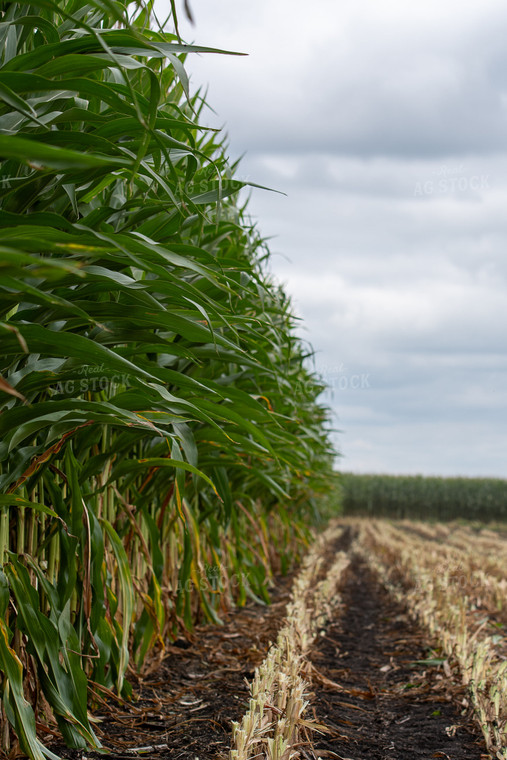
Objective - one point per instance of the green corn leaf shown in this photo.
(127, 598)
(142, 464)
(64, 688)
(23, 717)
(13, 500)
(39, 156)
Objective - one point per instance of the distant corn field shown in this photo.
(162, 451)
(418, 497)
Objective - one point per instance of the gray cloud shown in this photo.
(371, 82)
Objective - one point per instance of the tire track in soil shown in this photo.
(385, 707)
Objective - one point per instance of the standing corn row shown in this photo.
(157, 424)
(424, 498)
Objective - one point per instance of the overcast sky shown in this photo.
(385, 123)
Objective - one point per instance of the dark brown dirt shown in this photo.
(387, 706)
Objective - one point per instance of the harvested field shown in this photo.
(379, 686)
(373, 691)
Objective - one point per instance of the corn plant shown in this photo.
(159, 431)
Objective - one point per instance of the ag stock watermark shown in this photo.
(451, 575)
(452, 180)
(90, 379)
(336, 378)
(214, 579)
(339, 378)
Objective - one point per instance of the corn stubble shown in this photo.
(451, 578)
(274, 726)
(453, 582)
(160, 435)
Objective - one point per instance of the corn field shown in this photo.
(162, 450)
(418, 497)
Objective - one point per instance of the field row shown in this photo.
(275, 720)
